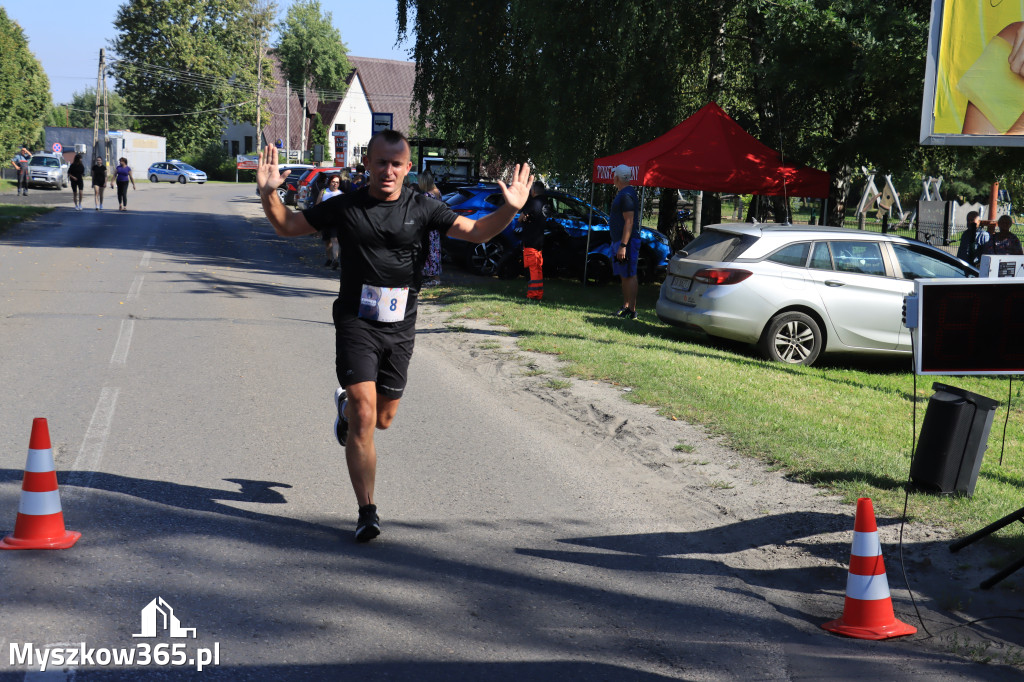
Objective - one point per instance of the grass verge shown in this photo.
(11, 214)
(845, 426)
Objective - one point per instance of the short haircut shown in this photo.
(971, 216)
(387, 137)
(1005, 222)
(539, 185)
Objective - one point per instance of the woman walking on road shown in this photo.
(99, 181)
(76, 176)
(122, 175)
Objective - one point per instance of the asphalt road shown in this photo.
(183, 356)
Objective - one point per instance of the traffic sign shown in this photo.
(57, 149)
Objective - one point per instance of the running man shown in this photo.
(382, 229)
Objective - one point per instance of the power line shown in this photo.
(182, 113)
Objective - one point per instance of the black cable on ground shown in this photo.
(1009, 397)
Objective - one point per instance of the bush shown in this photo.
(214, 162)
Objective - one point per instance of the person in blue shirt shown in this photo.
(624, 226)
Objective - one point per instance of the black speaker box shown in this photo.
(953, 440)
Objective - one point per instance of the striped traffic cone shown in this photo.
(40, 523)
(867, 613)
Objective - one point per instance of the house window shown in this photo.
(339, 127)
(234, 147)
(225, 143)
(248, 144)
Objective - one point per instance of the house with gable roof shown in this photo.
(374, 86)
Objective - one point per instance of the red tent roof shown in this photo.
(710, 151)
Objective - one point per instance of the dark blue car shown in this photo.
(565, 241)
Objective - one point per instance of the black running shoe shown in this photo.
(630, 315)
(340, 423)
(623, 312)
(368, 525)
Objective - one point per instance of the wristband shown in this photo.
(624, 245)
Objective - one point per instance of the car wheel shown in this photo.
(511, 265)
(282, 194)
(181, 179)
(154, 178)
(793, 338)
(599, 270)
(485, 257)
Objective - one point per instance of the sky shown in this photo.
(66, 35)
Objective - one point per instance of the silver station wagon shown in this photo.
(797, 291)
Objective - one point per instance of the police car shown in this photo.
(175, 170)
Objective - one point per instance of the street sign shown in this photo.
(57, 149)
(247, 162)
(115, 134)
(382, 122)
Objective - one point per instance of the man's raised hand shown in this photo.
(268, 177)
(518, 191)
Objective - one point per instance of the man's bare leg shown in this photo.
(630, 287)
(366, 411)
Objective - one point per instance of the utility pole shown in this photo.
(287, 121)
(106, 120)
(96, 111)
(259, 82)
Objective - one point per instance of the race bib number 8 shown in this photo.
(383, 304)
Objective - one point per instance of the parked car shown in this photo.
(47, 170)
(175, 170)
(310, 183)
(797, 292)
(478, 200)
(288, 190)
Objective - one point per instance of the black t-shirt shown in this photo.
(382, 242)
(533, 219)
(99, 174)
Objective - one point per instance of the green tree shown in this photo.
(79, 112)
(24, 89)
(185, 67)
(311, 52)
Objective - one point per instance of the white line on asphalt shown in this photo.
(124, 341)
(136, 287)
(91, 453)
(145, 259)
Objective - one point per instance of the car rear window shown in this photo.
(457, 197)
(713, 245)
(794, 254)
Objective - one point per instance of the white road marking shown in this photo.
(136, 287)
(91, 453)
(145, 259)
(124, 341)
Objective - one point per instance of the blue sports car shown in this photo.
(565, 240)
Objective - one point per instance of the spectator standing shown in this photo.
(1003, 242)
(383, 227)
(968, 249)
(122, 176)
(20, 162)
(99, 181)
(432, 265)
(624, 227)
(533, 219)
(330, 235)
(76, 178)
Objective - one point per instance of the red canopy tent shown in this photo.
(710, 151)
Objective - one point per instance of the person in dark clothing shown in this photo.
(968, 249)
(1003, 242)
(76, 178)
(382, 229)
(99, 181)
(20, 162)
(533, 220)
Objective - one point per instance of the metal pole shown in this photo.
(96, 111)
(287, 121)
(590, 218)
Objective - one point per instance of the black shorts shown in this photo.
(369, 351)
(77, 184)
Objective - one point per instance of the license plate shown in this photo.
(681, 283)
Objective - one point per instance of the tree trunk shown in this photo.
(667, 213)
(711, 209)
(838, 193)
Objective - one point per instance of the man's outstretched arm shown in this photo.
(516, 193)
(285, 222)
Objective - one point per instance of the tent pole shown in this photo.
(590, 217)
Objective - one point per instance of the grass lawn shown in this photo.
(11, 214)
(845, 426)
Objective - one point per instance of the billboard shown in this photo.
(974, 79)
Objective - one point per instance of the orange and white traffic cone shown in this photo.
(40, 523)
(868, 612)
